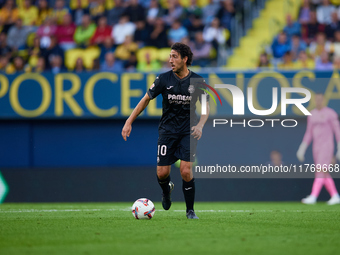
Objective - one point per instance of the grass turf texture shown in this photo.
(110, 228)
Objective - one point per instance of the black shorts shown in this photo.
(174, 147)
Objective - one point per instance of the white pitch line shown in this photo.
(128, 209)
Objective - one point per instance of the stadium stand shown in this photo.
(49, 29)
(228, 34)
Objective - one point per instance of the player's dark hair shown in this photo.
(184, 50)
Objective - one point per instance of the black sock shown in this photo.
(189, 193)
(164, 184)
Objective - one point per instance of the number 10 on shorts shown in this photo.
(161, 150)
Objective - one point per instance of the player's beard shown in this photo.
(179, 69)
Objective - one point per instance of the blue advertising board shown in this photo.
(110, 95)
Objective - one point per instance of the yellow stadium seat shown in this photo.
(200, 3)
(90, 54)
(163, 54)
(212, 53)
(164, 4)
(30, 39)
(151, 51)
(74, 3)
(71, 57)
(109, 4)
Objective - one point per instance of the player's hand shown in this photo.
(197, 132)
(338, 152)
(126, 131)
(300, 154)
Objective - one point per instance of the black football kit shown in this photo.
(179, 105)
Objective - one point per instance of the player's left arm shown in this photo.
(336, 129)
(197, 130)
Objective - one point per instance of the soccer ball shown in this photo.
(143, 208)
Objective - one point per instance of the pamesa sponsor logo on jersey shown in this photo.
(179, 99)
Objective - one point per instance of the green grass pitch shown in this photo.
(223, 228)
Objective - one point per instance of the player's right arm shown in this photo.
(143, 103)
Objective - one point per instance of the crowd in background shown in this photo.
(312, 41)
(34, 35)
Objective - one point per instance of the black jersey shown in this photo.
(179, 101)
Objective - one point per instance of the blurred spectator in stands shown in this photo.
(336, 63)
(96, 65)
(323, 63)
(315, 3)
(135, 11)
(108, 46)
(195, 25)
(292, 28)
(226, 13)
(5, 50)
(186, 40)
(287, 62)
(44, 12)
(209, 11)
(79, 68)
(142, 33)
(45, 32)
(297, 45)
(215, 34)
(304, 13)
(17, 35)
(40, 66)
(110, 64)
(84, 32)
(149, 65)
(65, 33)
(177, 32)
(34, 52)
(131, 64)
(275, 158)
(59, 11)
(79, 9)
(201, 50)
(28, 13)
(335, 47)
(53, 50)
(56, 63)
(264, 61)
(102, 32)
(8, 15)
(97, 9)
(19, 64)
(319, 46)
(158, 35)
(281, 45)
(124, 51)
(173, 12)
(153, 12)
(324, 12)
(122, 29)
(4, 64)
(332, 27)
(304, 61)
(191, 12)
(310, 30)
(145, 3)
(115, 13)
